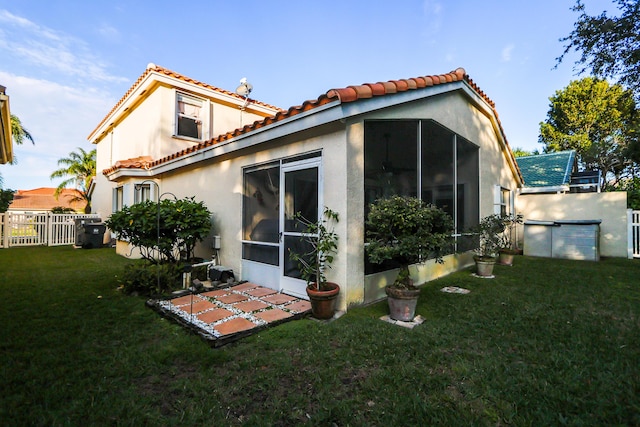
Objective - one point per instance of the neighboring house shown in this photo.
(6, 141)
(556, 173)
(43, 200)
(437, 137)
(554, 190)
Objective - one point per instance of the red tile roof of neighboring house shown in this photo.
(161, 70)
(343, 95)
(43, 199)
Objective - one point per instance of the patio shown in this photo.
(230, 313)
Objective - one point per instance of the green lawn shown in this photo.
(547, 342)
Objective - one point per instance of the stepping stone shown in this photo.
(214, 315)
(232, 298)
(233, 326)
(273, 315)
(278, 299)
(250, 306)
(261, 292)
(299, 306)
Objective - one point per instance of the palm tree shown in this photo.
(19, 132)
(79, 171)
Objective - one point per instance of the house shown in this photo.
(6, 141)
(556, 173)
(43, 199)
(255, 166)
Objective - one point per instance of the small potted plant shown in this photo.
(508, 242)
(489, 232)
(321, 243)
(409, 231)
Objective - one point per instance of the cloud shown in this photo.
(108, 32)
(506, 52)
(432, 11)
(58, 116)
(50, 50)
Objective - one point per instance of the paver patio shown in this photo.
(227, 314)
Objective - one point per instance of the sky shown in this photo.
(66, 63)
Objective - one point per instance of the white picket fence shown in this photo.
(633, 224)
(33, 229)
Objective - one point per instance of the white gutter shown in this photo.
(549, 189)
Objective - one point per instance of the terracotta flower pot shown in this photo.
(506, 257)
(484, 266)
(402, 303)
(323, 302)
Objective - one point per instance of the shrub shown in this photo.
(151, 279)
(62, 210)
(168, 228)
(6, 197)
(408, 230)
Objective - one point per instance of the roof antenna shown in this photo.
(244, 89)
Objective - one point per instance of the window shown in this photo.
(260, 214)
(424, 159)
(142, 193)
(118, 199)
(188, 116)
(502, 201)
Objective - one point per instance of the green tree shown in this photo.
(20, 134)
(608, 45)
(79, 171)
(169, 228)
(521, 152)
(597, 120)
(408, 231)
(6, 196)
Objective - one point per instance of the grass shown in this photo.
(547, 342)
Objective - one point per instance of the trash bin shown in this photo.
(93, 235)
(80, 223)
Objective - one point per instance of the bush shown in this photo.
(151, 279)
(408, 230)
(169, 228)
(62, 210)
(6, 197)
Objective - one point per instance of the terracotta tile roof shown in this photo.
(161, 70)
(344, 95)
(141, 162)
(43, 199)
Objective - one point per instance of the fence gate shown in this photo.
(32, 229)
(634, 233)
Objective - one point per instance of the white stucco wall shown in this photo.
(219, 186)
(453, 111)
(218, 183)
(610, 207)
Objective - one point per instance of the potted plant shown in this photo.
(408, 231)
(508, 242)
(321, 243)
(489, 232)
